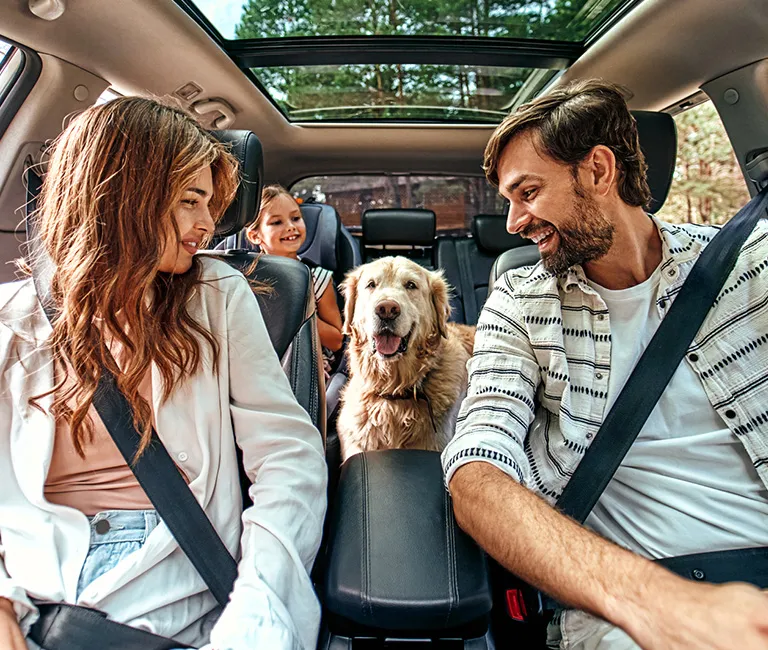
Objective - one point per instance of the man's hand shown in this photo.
(658, 609)
(10, 632)
(702, 616)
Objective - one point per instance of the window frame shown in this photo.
(22, 81)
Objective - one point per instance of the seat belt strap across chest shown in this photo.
(659, 362)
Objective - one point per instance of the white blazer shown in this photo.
(43, 546)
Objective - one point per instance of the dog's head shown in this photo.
(395, 307)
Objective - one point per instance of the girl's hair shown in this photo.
(268, 194)
(105, 214)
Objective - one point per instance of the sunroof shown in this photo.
(402, 92)
(558, 20)
(403, 60)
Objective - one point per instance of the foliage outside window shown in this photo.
(560, 20)
(455, 199)
(406, 91)
(453, 93)
(708, 186)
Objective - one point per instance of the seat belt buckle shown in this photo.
(516, 605)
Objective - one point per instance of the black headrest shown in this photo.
(658, 140)
(491, 236)
(415, 227)
(323, 224)
(245, 146)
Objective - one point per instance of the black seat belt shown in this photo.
(650, 377)
(157, 474)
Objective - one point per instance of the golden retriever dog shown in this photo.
(407, 362)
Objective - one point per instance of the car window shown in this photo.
(11, 63)
(455, 199)
(708, 186)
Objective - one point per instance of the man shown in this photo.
(555, 344)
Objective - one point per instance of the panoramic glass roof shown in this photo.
(403, 60)
(559, 20)
(424, 93)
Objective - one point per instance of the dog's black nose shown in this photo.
(387, 310)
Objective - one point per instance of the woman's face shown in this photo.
(194, 222)
(282, 230)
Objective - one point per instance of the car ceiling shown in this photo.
(663, 51)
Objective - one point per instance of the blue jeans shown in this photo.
(115, 534)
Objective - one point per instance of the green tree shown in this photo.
(707, 186)
(383, 91)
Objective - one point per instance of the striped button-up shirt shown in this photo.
(538, 379)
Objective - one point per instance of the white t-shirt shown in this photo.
(687, 484)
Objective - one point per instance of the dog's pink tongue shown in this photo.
(387, 343)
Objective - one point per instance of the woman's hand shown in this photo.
(11, 637)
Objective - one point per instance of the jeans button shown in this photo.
(102, 526)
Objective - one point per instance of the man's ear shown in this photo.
(441, 301)
(601, 169)
(349, 290)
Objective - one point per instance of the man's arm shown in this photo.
(658, 609)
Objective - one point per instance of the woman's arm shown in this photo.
(273, 604)
(329, 320)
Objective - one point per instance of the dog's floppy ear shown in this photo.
(441, 301)
(349, 289)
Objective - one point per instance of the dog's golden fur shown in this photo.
(385, 404)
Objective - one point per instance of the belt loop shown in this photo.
(149, 523)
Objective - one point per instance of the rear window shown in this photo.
(454, 199)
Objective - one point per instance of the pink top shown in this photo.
(100, 481)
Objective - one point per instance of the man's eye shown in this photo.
(529, 194)
(410, 285)
(371, 284)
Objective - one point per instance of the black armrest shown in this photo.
(398, 560)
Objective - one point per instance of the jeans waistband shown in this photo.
(111, 526)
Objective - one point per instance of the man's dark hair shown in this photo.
(569, 122)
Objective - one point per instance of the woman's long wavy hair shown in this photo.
(105, 212)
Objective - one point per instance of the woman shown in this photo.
(133, 190)
(279, 229)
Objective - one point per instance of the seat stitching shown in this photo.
(450, 546)
(365, 596)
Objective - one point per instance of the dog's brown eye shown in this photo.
(410, 285)
(371, 285)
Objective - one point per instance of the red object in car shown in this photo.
(516, 605)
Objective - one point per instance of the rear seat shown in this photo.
(467, 262)
(408, 232)
(328, 242)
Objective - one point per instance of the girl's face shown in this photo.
(194, 221)
(282, 230)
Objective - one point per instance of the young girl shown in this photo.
(279, 229)
(133, 190)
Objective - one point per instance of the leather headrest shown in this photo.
(323, 225)
(414, 227)
(658, 140)
(245, 146)
(491, 236)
